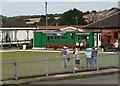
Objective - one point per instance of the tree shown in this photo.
(72, 17)
(93, 11)
(42, 21)
(87, 12)
(50, 19)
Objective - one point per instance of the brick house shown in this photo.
(109, 26)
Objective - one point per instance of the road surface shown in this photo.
(103, 79)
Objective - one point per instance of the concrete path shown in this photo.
(103, 79)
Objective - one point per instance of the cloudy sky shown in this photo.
(37, 7)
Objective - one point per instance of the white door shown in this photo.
(95, 39)
(99, 39)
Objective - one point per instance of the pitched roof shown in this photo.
(70, 28)
(112, 21)
(17, 28)
(56, 27)
(11, 23)
(14, 23)
(50, 27)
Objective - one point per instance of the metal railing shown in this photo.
(47, 66)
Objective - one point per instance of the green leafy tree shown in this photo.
(51, 20)
(72, 17)
(42, 21)
(93, 11)
(87, 12)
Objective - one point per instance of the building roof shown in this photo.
(70, 28)
(15, 28)
(57, 27)
(108, 22)
(14, 23)
(50, 27)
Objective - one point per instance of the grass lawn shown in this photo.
(27, 55)
(34, 63)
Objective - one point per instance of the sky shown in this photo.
(37, 7)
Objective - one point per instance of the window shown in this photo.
(49, 37)
(63, 38)
(72, 36)
(57, 38)
(82, 38)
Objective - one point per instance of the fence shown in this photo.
(45, 67)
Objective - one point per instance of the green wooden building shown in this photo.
(69, 39)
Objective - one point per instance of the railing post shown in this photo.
(97, 63)
(73, 66)
(118, 60)
(46, 66)
(15, 70)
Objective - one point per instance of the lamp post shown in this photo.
(46, 16)
(118, 50)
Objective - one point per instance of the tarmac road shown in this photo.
(103, 79)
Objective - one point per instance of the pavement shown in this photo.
(102, 79)
(60, 76)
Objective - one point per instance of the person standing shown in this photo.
(119, 45)
(94, 57)
(68, 56)
(85, 45)
(88, 59)
(77, 44)
(81, 45)
(77, 58)
(116, 44)
(64, 57)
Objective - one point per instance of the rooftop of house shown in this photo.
(111, 21)
(58, 27)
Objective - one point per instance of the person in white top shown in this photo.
(116, 44)
(81, 45)
(88, 59)
(77, 44)
(77, 58)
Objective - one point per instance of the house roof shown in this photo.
(70, 28)
(108, 22)
(14, 23)
(16, 28)
(50, 27)
(57, 27)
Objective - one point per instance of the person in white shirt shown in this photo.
(89, 57)
(77, 58)
(81, 45)
(116, 44)
(77, 44)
